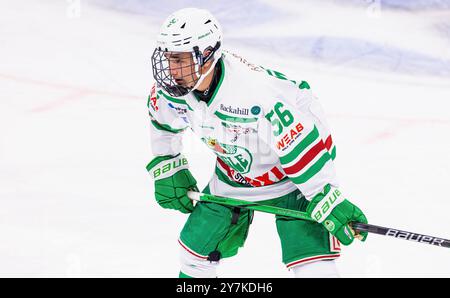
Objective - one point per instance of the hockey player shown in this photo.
(271, 141)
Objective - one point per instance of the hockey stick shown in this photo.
(201, 197)
(401, 234)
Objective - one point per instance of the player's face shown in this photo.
(182, 68)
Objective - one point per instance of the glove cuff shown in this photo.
(165, 166)
(323, 204)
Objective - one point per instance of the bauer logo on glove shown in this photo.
(336, 214)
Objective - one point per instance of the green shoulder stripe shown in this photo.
(165, 127)
(174, 100)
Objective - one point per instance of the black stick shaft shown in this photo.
(401, 234)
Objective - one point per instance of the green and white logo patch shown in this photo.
(237, 157)
(329, 225)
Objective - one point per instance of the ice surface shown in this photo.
(74, 79)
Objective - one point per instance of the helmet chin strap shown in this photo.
(201, 60)
(203, 76)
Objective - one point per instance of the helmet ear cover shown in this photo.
(203, 59)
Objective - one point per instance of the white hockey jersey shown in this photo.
(267, 131)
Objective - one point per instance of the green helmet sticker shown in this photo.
(172, 21)
(204, 35)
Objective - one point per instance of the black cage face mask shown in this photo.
(175, 72)
(178, 72)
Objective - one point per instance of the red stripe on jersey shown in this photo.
(252, 182)
(226, 167)
(329, 143)
(306, 159)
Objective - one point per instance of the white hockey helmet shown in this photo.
(189, 30)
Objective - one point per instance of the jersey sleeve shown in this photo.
(301, 138)
(166, 127)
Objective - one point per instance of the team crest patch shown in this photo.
(237, 157)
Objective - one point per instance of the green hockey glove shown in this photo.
(172, 182)
(336, 213)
